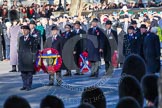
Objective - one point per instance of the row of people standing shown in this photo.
(108, 41)
(144, 43)
(60, 41)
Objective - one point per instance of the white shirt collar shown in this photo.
(26, 37)
(31, 31)
(54, 36)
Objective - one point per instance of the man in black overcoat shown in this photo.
(35, 33)
(27, 50)
(134, 24)
(151, 50)
(131, 43)
(94, 54)
(68, 52)
(79, 47)
(110, 44)
(142, 35)
(55, 41)
(121, 34)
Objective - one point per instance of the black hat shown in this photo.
(108, 22)
(25, 27)
(77, 22)
(61, 16)
(32, 22)
(119, 25)
(137, 16)
(130, 28)
(128, 102)
(95, 20)
(126, 16)
(150, 87)
(54, 27)
(143, 26)
(68, 25)
(13, 15)
(6, 20)
(134, 65)
(130, 86)
(133, 22)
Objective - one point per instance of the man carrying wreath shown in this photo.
(56, 42)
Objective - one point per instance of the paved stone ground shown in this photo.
(70, 92)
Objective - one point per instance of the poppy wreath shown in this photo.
(84, 64)
(38, 62)
(49, 60)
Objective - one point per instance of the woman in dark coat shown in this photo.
(152, 51)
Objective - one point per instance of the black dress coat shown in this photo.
(56, 44)
(93, 52)
(80, 45)
(152, 53)
(110, 44)
(37, 36)
(141, 42)
(67, 51)
(120, 46)
(27, 54)
(131, 45)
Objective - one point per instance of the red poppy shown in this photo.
(97, 32)
(63, 34)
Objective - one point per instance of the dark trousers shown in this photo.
(8, 52)
(58, 77)
(3, 47)
(108, 68)
(95, 67)
(27, 78)
(1, 50)
(107, 65)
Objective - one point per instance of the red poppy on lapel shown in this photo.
(63, 35)
(98, 33)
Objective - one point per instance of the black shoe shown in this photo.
(67, 74)
(50, 84)
(78, 74)
(13, 71)
(93, 75)
(96, 75)
(28, 89)
(23, 88)
(58, 84)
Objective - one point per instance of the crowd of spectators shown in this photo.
(45, 10)
(113, 5)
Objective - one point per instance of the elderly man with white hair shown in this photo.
(152, 51)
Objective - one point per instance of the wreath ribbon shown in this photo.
(84, 63)
(39, 64)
